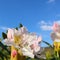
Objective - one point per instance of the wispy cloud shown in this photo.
(42, 22)
(4, 28)
(50, 1)
(47, 25)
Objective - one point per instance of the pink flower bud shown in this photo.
(14, 53)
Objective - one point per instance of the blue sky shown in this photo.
(37, 15)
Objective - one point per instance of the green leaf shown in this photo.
(4, 35)
(4, 47)
(20, 25)
(16, 28)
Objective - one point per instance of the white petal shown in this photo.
(27, 53)
(23, 30)
(37, 49)
(8, 42)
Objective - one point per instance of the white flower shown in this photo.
(22, 39)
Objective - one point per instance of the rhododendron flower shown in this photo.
(55, 35)
(56, 28)
(21, 39)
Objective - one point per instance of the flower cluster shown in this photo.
(23, 40)
(55, 35)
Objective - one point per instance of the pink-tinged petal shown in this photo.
(14, 53)
(39, 39)
(10, 34)
(32, 46)
(23, 30)
(35, 47)
(55, 26)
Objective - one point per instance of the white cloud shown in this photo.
(47, 25)
(50, 1)
(4, 28)
(42, 22)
